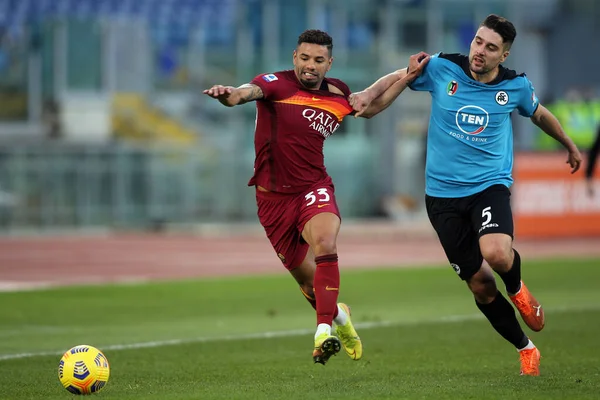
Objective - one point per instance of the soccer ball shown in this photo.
(83, 369)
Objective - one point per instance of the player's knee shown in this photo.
(497, 256)
(324, 244)
(307, 290)
(483, 286)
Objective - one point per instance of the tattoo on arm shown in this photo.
(250, 92)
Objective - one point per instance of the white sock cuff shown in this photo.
(529, 346)
(342, 317)
(323, 328)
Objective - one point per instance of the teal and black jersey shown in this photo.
(470, 137)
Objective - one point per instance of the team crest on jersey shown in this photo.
(452, 88)
(281, 257)
(502, 98)
(455, 267)
(269, 77)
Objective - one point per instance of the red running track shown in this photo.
(49, 261)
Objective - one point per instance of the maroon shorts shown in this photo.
(284, 215)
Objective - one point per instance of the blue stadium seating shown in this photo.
(169, 19)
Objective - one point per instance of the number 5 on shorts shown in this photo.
(311, 197)
(486, 214)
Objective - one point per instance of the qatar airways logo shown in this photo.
(321, 122)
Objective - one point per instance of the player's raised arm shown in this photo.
(385, 90)
(360, 101)
(230, 96)
(551, 126)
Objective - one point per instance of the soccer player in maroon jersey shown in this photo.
(296, 111)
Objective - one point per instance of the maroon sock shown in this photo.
(311, 299)
(327, 288)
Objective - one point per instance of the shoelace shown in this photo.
(527, 360)
(346, 336)
(523, 304)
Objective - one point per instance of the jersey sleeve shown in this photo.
(424, 82)
(528, 101)
(340, 85)
(270, 84)
(343, 87)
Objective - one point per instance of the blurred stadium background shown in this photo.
(103, 124)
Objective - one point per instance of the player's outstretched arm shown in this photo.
(360, 101)
(368, 106)
(230, 96)
(551, 126)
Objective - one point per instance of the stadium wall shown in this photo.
(549, 201)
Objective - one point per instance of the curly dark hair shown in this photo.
(315, 36)
(502, 27)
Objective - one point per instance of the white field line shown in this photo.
(281, 334)
(12, 286)
(35, 329)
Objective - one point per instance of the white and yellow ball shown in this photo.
(83, 369)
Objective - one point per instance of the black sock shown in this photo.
(502, 316)
(512, 279)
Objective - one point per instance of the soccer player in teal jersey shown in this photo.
(469, 169)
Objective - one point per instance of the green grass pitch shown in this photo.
(209, 339)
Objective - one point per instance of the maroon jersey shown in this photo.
(292, 123)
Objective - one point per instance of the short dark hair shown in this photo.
(315, 36)
(502, 27)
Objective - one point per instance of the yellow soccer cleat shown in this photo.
(325, 347)
(348, 336)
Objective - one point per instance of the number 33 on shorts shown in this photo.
(321, 197)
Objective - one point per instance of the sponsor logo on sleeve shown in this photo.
(269, 77)
(534, 99)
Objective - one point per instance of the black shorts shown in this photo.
(460, 222)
